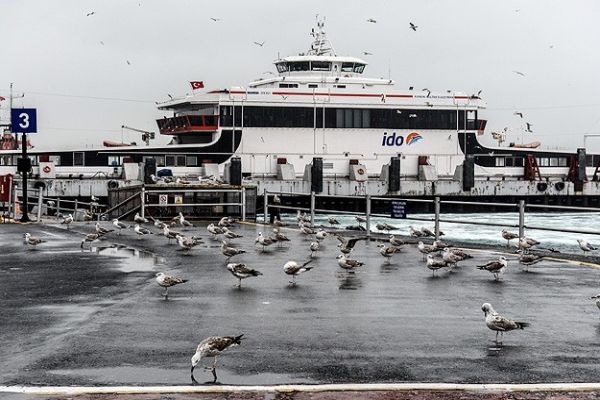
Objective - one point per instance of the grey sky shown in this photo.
(51, 48)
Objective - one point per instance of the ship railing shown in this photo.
(520, 207)
(58, 205)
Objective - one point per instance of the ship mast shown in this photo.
(321, 45)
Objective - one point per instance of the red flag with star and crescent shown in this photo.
(197, 84)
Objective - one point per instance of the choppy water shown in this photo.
(566, 242)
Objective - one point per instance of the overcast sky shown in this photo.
(73, 68)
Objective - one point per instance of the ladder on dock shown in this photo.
(532, 168)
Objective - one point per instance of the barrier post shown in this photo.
(368, 214)
(40, 203)
(143, 202)
(437, 217)
(243, 194)
(266, 207)
(312, 208)
(521, 218)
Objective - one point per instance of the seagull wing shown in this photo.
(353, 241)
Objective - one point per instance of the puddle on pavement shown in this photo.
(148, 375)
(130, 260)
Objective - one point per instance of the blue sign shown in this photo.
(399, 209)
(24, 120)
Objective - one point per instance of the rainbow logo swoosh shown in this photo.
(413, 137)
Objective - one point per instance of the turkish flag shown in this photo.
(197, 84)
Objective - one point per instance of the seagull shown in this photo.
(426, 248)
(67, 220)
(332, 221)
(169, 234)
(139, 219)
(435, 263)
(279, 223)
(413, 26)
(230, 251)
(293, 268)
(90, 238)
(528, 129)
(585, 246)
(496, 267)
(314, 246)
(428, 94)
(241, 271)
(347, 245)
(280, 237)
(225, 222)
(360, 219)
(388, 251)
(439, 244)
(167, 281)
(215, 230)
(526, 243)
(32, 240)
(509, 236)
(183, 221)
(213, 347)
(321, 234)
(348, 263)
(371, 20)
(101, 230)
(460, 253)
(90, 14)
(260, 44)
(450, 257)
(415, 233)
(498, 323)
(428, 232)
(141, 231)
(215, 19)
(597, 298)
(230, 234)
(520, 114)
(519, 73)
(366, 53)
(528, 259)
(128, 63)
(394, 241)
(118, 224)
(158, 223)
(185, 242)
(264, 241)
(385, 227)
(302, 217)
(307, 230)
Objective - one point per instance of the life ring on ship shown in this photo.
(559, 186)
(360, 171)
(113, 184)
(47, 169)
(542, 186)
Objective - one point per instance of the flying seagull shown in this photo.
(261, 44)
(241, 271)
(347, 245)
(520, 114)
(413, 26)
(366, 53)
(90, 14)
(128, 62)
(528, 127)
(371, 20)
(498, 323)
(519, 73)
(215, 19)
(167, 281)
(213, 347)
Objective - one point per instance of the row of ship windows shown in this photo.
(310, 86)
(542, 161)
(320, 66)
(305, 117)
(113, 161)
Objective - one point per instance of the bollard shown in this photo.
(312, 208)
(40, 202)
(368, 214)
(436, 203)
(143, 202)
(243, 204)
(266, 207)
(521, 218)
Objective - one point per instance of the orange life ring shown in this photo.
(47, 169)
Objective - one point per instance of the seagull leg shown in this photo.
(497, 332)
(166, 293)
(214, 370)
(240, 283)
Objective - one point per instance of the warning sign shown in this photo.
(163, 199)
(178, 199)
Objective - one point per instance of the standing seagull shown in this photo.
(394, 241)
(332, 221)
(169, 234)
(293, 268)
(264, 241)
(414, 232)
(67, 220)
(215, 230)
(528, 259)
(509, 236)
(585, 246)
(498, 323)
(280, 237)
(90, 238)
(185, 242)
(435, 263)
(314, 246)
(348, 263)
(167, 281)
(241, 271)
(139, 219)
(101, 230)
(183, 221)
(119, 225)
(413, 26)
(229, 251)
(495, 267)
(360, 219)
(32, 240)
(426, 249)
(213, 347)
(388, 251)
(321, 234)
(141, 231)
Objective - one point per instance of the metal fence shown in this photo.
(521, 207)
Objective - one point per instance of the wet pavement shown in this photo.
(72, 317)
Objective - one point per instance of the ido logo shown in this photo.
(399, 140)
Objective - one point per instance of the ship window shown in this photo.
(191, 161)
(510, 161)
(170, 161)
(499, 161)
(359, 68)
(562, 162)
(366, 118)
(554, 162)
(299, 66)
(589, 161)
(282, 67)
(312, 86)
(340, 86)
(543, 161)
(347, 67)
(114, 161)
(181, 161)
(320, 66)
(78, 159)
(288, 85)
(55, 160)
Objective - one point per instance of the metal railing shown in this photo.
(519, 207)
(58, 205)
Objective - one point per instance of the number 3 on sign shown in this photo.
(24, 120)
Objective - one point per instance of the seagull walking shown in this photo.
(495, 267)
(119, 225)
(508, 236)
(241, 271)
(213, 346)
(230, 251)
(280, 237)
(90, 238)
(498, 323)
(293, 268)
(167, 281)
(585, 246)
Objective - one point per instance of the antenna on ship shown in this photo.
(321, 45)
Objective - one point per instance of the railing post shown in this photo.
(75, 208)
(368, 214)
(521, 218)
(143, 202)
(57, 207)
(312, 208)
(266, 207)
(40, 202)
(243, 191)
(436, 204)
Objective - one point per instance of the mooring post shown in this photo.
(436, 203)
(243, 194)
(40, 202)
(368, 214)
(266, 207)
(521, 218)
(312, 208)
(143, 202)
